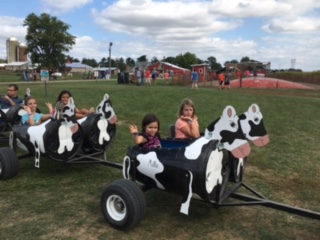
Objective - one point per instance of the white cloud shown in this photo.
(268, 30)
(299, 25)
(10, 27)
(62, 6)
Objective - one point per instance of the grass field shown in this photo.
(61, 201)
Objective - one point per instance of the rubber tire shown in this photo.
(126, 194)
(9, 163)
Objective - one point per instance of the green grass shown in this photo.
(61, 201)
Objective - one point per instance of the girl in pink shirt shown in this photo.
(187, 125)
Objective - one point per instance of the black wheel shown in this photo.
(123, 204)
(9, 163)
(237, 166)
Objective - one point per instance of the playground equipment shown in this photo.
(63, 139)
(208, 169)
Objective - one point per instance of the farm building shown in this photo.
(13, 66)
(261, 68)
(164, 66)
(202, 70)
(78, 67)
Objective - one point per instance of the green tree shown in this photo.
(170, 60)
(200, 61)
(130, 62)
(120, 64)
(232, 61)
(212, 61)
(245, 59)
(143, 58)
(71, 59)
(104, 62)
(90, 62)
(154, 60)
(47, 40)
(186, 60)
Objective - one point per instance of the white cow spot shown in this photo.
(185, 206)
(193, 151)
(103, 134)
(213, 171)
(150, 166)
(65, 138)
(240, 163)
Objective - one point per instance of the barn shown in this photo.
(78, 67)
(202, 70)
(164, 66)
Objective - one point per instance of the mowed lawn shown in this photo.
(61, 201)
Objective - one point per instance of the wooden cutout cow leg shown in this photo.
(187, 193)
(65, 139)
(103, 134)
(37, 155)
(11, 145)
(126, 167)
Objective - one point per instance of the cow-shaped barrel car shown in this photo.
(193, 169)
(63, 138)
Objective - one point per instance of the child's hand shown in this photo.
(50, 107)
(27, 109)
(189, 119)
(133, 129)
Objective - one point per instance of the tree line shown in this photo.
(48, 43)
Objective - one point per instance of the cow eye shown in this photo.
(233, 124)
(256, 119)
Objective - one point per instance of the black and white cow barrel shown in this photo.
(99, 129)
(59, 139)
(197, 169)
(52, 145)
(10, 117)
(92, 134)
(193, 169)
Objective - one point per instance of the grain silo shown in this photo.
(12, 44)
(21, 53)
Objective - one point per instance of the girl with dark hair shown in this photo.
(149, 137)
(64, 97)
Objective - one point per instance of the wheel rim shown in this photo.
(116, 207)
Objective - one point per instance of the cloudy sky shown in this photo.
(283, 32)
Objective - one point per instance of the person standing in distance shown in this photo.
(194, 79)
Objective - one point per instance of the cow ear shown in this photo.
(254, 108)
(229, 111)
(106, 96)
(70, 101)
